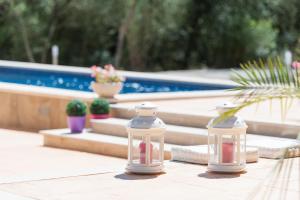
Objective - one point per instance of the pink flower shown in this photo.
(94, 68)
(109, 67)
(107, 74)
(296, 65)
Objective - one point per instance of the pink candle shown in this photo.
(227, 152)
(142, 147)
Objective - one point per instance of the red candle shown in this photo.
(143, 152)
(227, 152)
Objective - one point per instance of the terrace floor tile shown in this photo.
(30, 171)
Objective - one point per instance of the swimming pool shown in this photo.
(27, 105)
(81, 81)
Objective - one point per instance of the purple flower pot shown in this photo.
(99, 116)
(76, 123)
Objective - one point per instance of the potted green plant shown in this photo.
(107, 82)
(76, 111)
(99, 109)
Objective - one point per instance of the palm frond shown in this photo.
(265, 80)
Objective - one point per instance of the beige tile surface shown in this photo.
(24, 158)
(10, 196)
(37, 172)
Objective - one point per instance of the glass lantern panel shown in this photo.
(139, 150)
(156, 148)
(136, 154)
(240, 149)
(213, 146)
(228, 147)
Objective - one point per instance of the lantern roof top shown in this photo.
(226, 105)
(146, 123)
(146, 117)
(230, 122)
(146, 106)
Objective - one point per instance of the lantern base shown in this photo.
(226, 168)
(138, 169)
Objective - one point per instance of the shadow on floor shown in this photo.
(211, 175)
(129, 176)
(187, 163)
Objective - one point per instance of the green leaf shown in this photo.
(265, 81)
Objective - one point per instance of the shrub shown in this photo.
(99, 106)
(76, 108)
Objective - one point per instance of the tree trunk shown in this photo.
(123, 31)
(24, 33)
(56, 13)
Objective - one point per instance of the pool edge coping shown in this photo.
(71, 94)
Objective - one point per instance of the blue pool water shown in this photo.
(81, 81)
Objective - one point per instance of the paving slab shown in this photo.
(23, 158)
(182, 181)
(10, 196)
(22, 154)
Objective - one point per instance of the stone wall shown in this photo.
(32, 112)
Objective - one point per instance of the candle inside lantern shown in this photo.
(142, 147)
(227, 152)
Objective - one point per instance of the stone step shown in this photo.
(275, 129)
(180, 119)
(92, 143)
(117, 146)
(179, 135)
(184, 136)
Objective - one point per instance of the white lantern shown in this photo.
(227, 142)
(145, 141)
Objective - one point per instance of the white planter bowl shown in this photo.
(107, 89)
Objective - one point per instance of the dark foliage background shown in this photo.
(148, 35)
